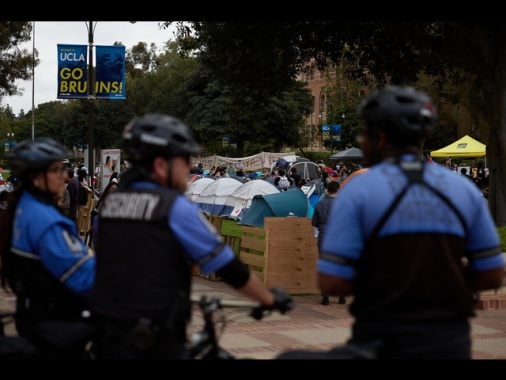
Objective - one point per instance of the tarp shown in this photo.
(240, 200)
(212, 199)
(259, 161)
(351, 153)
(290, 203)
(464, 147)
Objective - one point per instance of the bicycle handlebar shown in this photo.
(224, 302)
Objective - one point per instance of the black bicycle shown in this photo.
(204, 343)
(12, 346)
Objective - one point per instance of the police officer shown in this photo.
(147, 236)
(43, 259)
(413, 255)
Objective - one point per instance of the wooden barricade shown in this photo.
(84, 214)
(283, 253)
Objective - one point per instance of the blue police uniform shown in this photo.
(413, 282)
(51, 273)
(43, 234)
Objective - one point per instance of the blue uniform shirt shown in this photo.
(41, 232)
(362, 202)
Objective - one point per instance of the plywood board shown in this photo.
(291, 255)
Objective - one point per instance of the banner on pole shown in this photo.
(72, 72)
(331, 132)
(110, 79)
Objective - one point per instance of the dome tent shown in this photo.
(290, 203)
(212, 199)
(240, 200)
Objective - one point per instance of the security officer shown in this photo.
(43, 259)
(147, 236)
(419, 239)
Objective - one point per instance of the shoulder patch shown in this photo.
(74, 243)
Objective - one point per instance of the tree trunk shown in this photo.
(495, 93)
(496, 160)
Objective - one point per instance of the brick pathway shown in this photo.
(313, 326)
(309, 326)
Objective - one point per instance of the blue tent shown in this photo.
(290, 203)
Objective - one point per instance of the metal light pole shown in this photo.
(33, 82)
(311, 132)
(91, 97)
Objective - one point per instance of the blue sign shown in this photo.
(9, 145)
(229, 143)
(110, 80)
(331, 132)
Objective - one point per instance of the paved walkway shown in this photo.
(310, 326)
(316, 327)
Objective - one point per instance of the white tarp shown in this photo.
(257, 162)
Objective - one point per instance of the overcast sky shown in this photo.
(48, 34)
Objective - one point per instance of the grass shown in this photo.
(230, 227)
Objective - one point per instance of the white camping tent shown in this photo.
(239, 201)
(195, 188)
(212, 199)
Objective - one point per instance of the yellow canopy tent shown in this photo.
(465, 147)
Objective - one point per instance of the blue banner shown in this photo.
(331, 132)
(72, 72)
(110, 79)
(229, 143)
(336, 132)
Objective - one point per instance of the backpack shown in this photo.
(284, 182)
(83, 195)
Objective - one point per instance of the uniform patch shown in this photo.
(74, 243)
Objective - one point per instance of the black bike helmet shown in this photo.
(35, 155)
(158, 134)
(406, 114)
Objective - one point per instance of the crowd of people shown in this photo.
(411, 257)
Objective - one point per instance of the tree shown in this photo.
(15, 63)
(264, 57)
(215, 111)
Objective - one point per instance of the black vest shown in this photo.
(141, 269)
(39, 295)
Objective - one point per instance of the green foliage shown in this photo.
(216, 110)
(15, 63)
(502, 236)
(315, 156)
